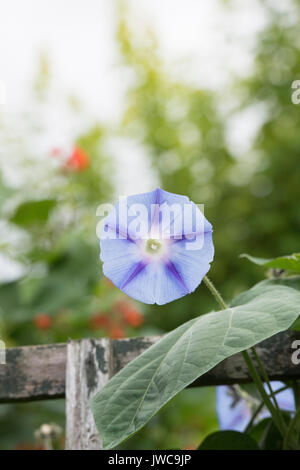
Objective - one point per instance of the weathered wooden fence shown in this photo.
(78, 369)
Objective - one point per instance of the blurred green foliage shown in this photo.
(251, 200)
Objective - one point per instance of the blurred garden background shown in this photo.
(106, 98)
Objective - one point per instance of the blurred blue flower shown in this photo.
(156, 247)
(234, 410)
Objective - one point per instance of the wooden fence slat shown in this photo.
(275, 353)
(38, 372)
(87, 371)
(33, 373)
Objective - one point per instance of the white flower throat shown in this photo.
(154, 248)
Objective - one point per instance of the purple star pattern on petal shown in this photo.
(156, 247)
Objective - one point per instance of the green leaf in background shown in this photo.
(264, 286)
(33, 212)
(267, 435)
(70, 277)
(259, 430)
(288, 263)
(228, 440)
(138, 391)
(292, 282)
(293, 433)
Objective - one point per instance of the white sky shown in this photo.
(201, 37)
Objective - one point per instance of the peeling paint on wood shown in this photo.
(87, 371)
(78, 370)
(33, 373)
(38, 372)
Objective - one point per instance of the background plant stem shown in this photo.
(275, 413)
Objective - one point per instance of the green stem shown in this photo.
(276, 415)
(296, 390)
(260, 407)
(215, 292)
(265, 377)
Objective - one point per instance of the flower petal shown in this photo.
(154, 284)
(132, 215)
(234, 417)
(120, 259)
(285, 399)
(192, 264)
(187, 254)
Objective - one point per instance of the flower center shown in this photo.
(153, 246)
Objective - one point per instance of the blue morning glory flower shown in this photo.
(156, 247)
(234, 412)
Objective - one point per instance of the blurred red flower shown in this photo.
(78, 160)
(133, 318)
(99, 321)
(116, 332)
(114, 322)
(43, 321)
(130, 314)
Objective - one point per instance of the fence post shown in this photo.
(2, 353)
(88, 369)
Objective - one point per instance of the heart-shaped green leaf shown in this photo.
(138, 391)
(266, 433)
(228, 440)
(292, 281)
(289, 263)
(263, 287)
(292, 437)
(33, 212)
